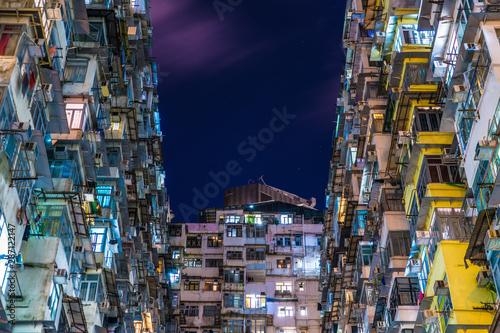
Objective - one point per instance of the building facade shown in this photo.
(83, 204)
(411, 228)
(251, 267)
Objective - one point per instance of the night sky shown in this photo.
(246, 90)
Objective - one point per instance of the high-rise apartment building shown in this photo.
(411, 228)
(83, 205)
(251, 266)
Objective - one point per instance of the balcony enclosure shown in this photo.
(405, 291)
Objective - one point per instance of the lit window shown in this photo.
(192, 262)
(98, 236)
(232, 219)
(284, 263)
(286, 311)
(234, 231)
(301, 286)
(254, 301)
(283, 287)
(176, 254)
(116, 126)
(174, 277)
(212, 286)
(191, 285)
(104, 195)
(286, 219)
(303, 311)
(254, 219)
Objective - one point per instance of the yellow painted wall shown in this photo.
(464, 293)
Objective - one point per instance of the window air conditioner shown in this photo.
(441, 288)
(460, 93)
(54, 12)
(60, 276)
(79, 253)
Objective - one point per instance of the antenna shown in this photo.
(261, 178)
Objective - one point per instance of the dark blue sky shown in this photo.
(222, 74)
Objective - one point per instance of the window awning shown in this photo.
(75, 313)
(476, 252)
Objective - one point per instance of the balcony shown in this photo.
(404, 300)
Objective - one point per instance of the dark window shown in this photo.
(213, 263)
(428, 119)
(193, 242)
(256, 253)
(399, 243)
(234, 300)
(255, 231)
(175, 230)
(298, 240)
(191, 311)
(209, 310)
(233, 276)
(235, 255)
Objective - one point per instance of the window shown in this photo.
(233, 276)
(234, 231)
(209, 310)
(234, 255)
(176, 254)
(318, 241)
(256, 231)
(283, 241)
(303, 311)
(75, 70)
(232, 219)
(399, 243)
(54, 298)
(213, 263)
(233, 326)
(233, 300)
(91, 289)
(256, 253)
(284, 263)
(286, 219)
(62, 169)
(75, 113)
(254, 301)
(98, 237)
(191, 311)
(192, 262)
(298, 240)
(254, 219)
(174, 277)
(7, 116)
(212, 286)
(285, 311)
(104, 195)
(301, 286)
(175, 230)
(10, 34)
(214, 241)
(191, 285)
(193, 242)
(428, 119)
(283, 288)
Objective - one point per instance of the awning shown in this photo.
(110, 285)
(80, 17)
(476, 252)
(74, 310)
(42, 168)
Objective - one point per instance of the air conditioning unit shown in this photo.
(128, 179)
(448, 157)
(404, 137)
(460, 93)
(149, 159)
(45, 92)
(35, 47)
(98, 160)
(415, 265)
(471, 52)
(423, 237)
(31, 150)
(484, 150)
(380, 37)
(492, 240)
(104, 307)
(483, 277)
(61, 153)
(441, 288)
(430, 317)
(60, 276)
(371, 156)
(23, 128)
(439, 68)
(54, 12)
(470, 207)
(492, 5)
(79, 253)
(115, 117)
